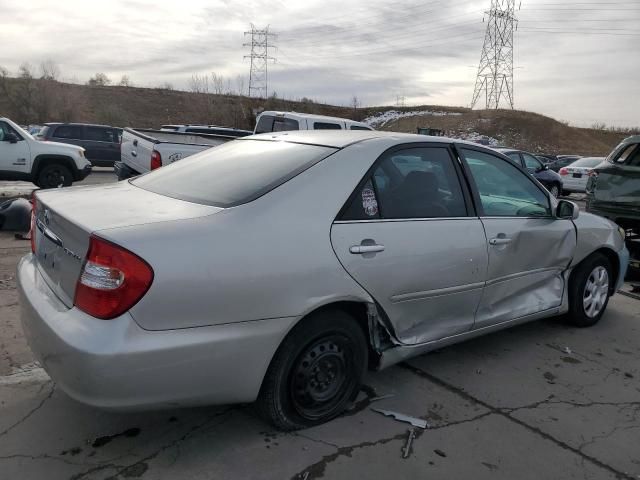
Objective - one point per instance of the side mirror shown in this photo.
(567, 210)
(11, 137)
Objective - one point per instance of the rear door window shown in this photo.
(359, 127)
(68, 131)
(410, 183)
(233, 173)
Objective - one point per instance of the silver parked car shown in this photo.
(279, 267)
(576, 175)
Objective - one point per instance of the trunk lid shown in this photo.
(66, 218)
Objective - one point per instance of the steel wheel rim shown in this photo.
(596, 292)
(320, 377)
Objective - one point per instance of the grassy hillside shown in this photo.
(513, 128)
(37, 101)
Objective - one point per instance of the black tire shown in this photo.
(53, 175)
(565, 193)
(582, 313)
(315, 373)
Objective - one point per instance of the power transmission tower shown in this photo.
(400, 100)
(260, 57)
(495, 72)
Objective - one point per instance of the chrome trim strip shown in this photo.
(513, 276)
(407, 297)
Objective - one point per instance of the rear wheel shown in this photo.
(554, 190)
(315, 373)
(54, 175)
(589, 290)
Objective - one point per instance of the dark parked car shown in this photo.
(563, 161)
(613, 192)
(101, 142)
(550, 179)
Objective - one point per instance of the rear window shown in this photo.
(234, 173)
(359, 127)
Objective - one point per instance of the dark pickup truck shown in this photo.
(613, 191)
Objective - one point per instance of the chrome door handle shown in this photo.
(359, 249)
(499, 241)
(134, 153)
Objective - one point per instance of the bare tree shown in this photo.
(199, 83)
(240, 85)
(166, 86)
(99, 80)
(49, 70)
(125, 81)
(217, 82)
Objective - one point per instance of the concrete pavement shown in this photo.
(543, 400)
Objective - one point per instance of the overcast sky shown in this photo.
(576, 60)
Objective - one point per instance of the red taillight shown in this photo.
(112, 280)
(156, 160)
(563, 171)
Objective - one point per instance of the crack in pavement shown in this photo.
(140, 466)
(507, 414)
(32, 411)
(317, 469)
(46, 456)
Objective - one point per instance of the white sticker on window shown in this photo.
(369, 202)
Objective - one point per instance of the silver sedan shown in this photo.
(279, 267)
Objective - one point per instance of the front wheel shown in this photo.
(554, 190)
(589, 290)
(54, 175)
(315, 373)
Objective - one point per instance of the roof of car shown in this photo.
(51, 124)
(343, 138)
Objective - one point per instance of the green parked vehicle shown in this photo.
(613, 191)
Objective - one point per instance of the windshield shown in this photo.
(587, 162)
(234, 173)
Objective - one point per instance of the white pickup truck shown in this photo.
(143, 150)
(47, 164)
(271, 121)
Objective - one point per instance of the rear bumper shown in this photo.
(123, 172)
(117, 364)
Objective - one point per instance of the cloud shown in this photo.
(573, 60)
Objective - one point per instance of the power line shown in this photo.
(260, 58)
(495, 72)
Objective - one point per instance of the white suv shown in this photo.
(47, 164)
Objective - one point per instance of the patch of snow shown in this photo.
(476, 137)
(387, 116)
